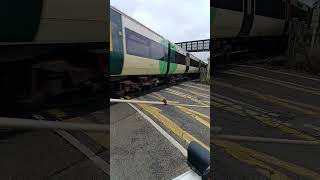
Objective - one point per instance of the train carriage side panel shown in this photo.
(52, 22)
(194, 65)
(269, 18)
(226, 18)
(180, 60)
(145, 52)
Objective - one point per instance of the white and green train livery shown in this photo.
(135, 50)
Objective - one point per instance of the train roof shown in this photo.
(124, 14)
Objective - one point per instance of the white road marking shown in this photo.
(163, 132)
(103, 165)
(100, 163)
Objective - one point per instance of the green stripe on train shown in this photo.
(164, 64)
(173, 65)
(19, 20)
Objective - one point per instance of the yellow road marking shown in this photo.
(161, 99)
(275, 100)
(194, 114)
(274, 81)
(193, 92)
(156, 113)
(157, 94)
(57, 113)
(197, 84)
(281, 72)
(270, 121)
(259, 159)
(195, 87)
(185, 96)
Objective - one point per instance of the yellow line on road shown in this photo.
(307, 109)
(265, 119)
(194, 114)
(193, 92)
(281, 72)
(169, 124)
(274, 81)
(260, 161)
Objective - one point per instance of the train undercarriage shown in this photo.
(33, 79)
(123, 85)
(227, 50)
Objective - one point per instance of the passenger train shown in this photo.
(236, 23)
(50, 47)
(139, 55)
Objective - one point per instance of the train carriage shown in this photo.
(41, 39)
(241, 25)
(137, 52)
(249, 18)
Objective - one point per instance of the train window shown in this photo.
(180, 59)
(137, 44)
(235, 5)
(157, 51)
(271, 8)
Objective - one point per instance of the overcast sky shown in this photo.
(176, 20)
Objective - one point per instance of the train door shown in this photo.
(172, 66)
(187, 63)
(116, 43)
(248, 17)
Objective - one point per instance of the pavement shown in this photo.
(258, 101)
(150, 141)
(47, 154)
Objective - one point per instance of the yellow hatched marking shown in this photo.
(195, 87)
(194, 114)
(270, 121)
(192, 92)
(169, 124)
(185, 96)
(274, 81)
(275, 100)
(259, 159)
